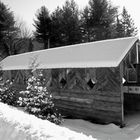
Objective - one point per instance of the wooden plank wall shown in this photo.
(103, 103)
(74, 96)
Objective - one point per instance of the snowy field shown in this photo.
(17, 125)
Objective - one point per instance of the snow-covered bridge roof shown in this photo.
(106, 53)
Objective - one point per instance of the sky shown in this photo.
(26, 9)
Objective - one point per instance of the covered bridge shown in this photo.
(86, 80)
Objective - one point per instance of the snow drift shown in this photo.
(17, 125)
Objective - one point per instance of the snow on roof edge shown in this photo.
(64, 47)
(71, 65)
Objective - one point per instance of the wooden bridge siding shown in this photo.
(93, 106)
(103, 103)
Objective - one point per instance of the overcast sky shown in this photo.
(26, 9)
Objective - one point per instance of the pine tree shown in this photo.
(101, 19)
(85, 25)
(8, 31)
(125, 26)
(37, 100)
(6, 22)
(128, 24)
(71, 24)
(57, 28)
(66, 20)
(43, 26)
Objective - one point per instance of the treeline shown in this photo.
(66, 25)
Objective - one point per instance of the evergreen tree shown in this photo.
(67, 22)
(125, 26)
(6, 22)
(101, 19)
(43, 26)
(37, 100)
(85, 25)
(57, 28)
(8, 31)
(71, 24)
(128, 24)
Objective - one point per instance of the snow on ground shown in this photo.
(17, 125)
(108, 132)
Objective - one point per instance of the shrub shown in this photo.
(8, 94)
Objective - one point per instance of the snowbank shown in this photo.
(17, 125)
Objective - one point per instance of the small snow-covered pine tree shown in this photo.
(38, 101)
